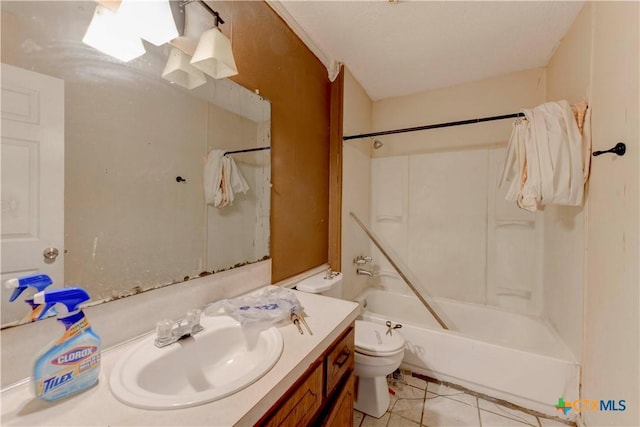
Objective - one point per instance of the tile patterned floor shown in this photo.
(429, 404)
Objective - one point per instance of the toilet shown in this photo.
(377, 353)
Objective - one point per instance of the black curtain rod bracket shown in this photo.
(216, 16)
(619, 149)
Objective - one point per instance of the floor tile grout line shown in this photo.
(452, 397)
(508, 415)
(424, 402)
(497, 401)
(391, 410)
(501, 412)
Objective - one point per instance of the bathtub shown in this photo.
(505, 355)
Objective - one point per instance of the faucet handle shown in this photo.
(362, 259)
(164, 330)
(328, 274)
(193, 317)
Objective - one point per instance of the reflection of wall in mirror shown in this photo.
(148, 229)
(240, 232)
(128, 223)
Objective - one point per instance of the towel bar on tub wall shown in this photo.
(619, 149)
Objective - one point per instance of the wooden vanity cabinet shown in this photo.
(324, 394)
(341, 412)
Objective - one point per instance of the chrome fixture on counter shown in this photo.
(168, 331)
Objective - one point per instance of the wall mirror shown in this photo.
(116, 163)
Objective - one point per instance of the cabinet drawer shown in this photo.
(340, 360)
(302, 404)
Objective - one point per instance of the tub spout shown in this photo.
(364, 272)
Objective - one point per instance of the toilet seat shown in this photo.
(371, 339)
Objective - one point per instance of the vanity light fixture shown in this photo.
(151, 20)
(193, 23)
(179, 70)
(213, 55)
(107, 33)
(119, 32)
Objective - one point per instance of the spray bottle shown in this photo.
(70, 364)
(37, 281)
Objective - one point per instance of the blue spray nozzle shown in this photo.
(20, 284)
(70, 297)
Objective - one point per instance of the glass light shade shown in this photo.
(179, 71)
(107, 34)
(214, 56)
(151, 20)
(195, 23)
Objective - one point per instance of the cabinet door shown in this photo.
(341, 415)
(302, 404)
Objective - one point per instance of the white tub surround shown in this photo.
(506, 355)
(327, 318)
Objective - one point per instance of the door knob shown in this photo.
(50, 253)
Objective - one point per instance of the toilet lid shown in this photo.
(315, 285)
(372, 339)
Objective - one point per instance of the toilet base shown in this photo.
(372, 396)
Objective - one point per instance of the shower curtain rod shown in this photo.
(439, 125)
(247, 150)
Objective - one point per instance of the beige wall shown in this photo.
(568, 78)
(598, 61)
(356, 182)
(612, 324)
(496, 96)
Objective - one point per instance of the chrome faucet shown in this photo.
(168, 331)
(329, 274)
(364, 272)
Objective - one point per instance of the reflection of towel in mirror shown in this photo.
(545, 161)
(222, 180)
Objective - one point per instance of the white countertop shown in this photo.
(327, 317)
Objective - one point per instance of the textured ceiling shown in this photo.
(413, 46)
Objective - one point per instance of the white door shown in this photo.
(32, 180)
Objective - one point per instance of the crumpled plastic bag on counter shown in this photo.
(268, 307)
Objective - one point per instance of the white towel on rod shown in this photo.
(222, 180)
(545, 161)
(238, 183)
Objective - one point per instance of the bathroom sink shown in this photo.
(210, 365)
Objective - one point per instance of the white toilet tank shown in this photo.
(319, 284)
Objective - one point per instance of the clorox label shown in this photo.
(75, 355)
